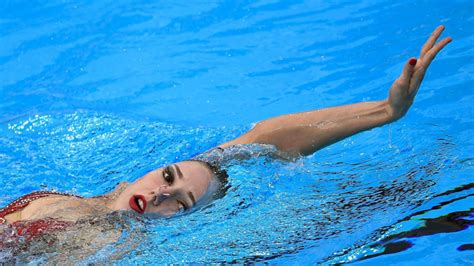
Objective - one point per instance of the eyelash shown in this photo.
(168, 175)
(181, 206)
(169, 178)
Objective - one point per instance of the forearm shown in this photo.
(304, 133)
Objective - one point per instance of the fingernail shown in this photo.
(413, 61)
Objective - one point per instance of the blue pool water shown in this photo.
(101, 92)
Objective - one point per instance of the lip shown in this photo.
(133, 202)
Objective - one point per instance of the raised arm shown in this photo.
(307, 132)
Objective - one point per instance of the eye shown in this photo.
(168, 175)
(181, 206)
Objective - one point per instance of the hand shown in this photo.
(404, 89)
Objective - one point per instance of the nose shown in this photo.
(161, 194)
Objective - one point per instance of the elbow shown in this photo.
(290, 141)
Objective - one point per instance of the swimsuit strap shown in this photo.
(23, 201)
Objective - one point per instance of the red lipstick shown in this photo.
(138, 203)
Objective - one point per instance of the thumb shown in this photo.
(408, 70)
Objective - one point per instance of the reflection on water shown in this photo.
(389, 241)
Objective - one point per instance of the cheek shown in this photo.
(145, 186)
(202, 189)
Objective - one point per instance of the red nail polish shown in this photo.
(413, 61)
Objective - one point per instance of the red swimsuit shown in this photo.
(30, 229)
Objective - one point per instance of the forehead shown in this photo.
(194, 170)
(196, 177)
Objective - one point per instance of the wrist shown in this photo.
(392, 114)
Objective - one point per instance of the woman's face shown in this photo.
(168, 190)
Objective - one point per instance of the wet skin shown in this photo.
(166, 191)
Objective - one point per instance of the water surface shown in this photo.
(102, 92)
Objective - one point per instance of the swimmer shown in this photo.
(182, 186)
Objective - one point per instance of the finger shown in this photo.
(419, 74)
(408, 71)
(431, 54)
(431, 40)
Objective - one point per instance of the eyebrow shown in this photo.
(192, 197)
(180, 175)
(178, 170)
